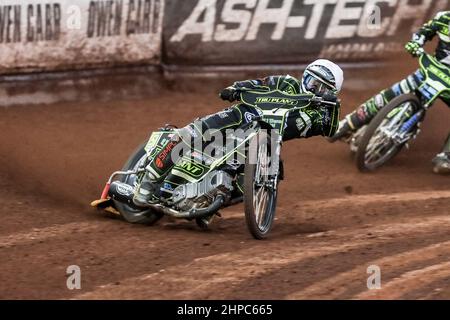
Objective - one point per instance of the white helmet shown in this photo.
(323, 77)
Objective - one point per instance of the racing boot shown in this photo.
(442, 163)
(147, 192)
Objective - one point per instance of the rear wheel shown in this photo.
(130, 214)
(378, 145)
(260, 187)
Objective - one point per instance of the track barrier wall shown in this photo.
(48, 35)
(52, 35)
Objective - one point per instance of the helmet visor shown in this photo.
(317, 86)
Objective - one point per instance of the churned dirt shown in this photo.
(332, 221)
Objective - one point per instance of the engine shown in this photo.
(201, 194)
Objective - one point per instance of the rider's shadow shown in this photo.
(236, 225)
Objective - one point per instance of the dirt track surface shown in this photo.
(332, 222)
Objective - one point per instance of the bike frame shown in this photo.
(436, 84)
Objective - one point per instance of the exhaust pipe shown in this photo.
(193, 213)
(122, 193)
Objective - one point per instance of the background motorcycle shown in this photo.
(399, 121)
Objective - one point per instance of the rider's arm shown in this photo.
(330, 122)
(428, 30)
(327, 119)
(424, 34)
(262, 84)
(231, 93)
(314, 120)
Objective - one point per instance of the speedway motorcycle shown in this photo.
(199, 185)
(399, 121)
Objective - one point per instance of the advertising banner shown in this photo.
(40, 35)
(220, 32)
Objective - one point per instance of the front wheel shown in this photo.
(384, 138)
(260, 187)
(130, 214)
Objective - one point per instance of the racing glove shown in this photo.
(413, 48)
(229, 94)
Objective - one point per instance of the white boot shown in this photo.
(146, 193)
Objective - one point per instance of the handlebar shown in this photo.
(329, 100)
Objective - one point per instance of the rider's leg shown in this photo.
(162, 161)
(442, 160)
(369, 109)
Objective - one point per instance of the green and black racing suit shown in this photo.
(439, 26)
(313, 120)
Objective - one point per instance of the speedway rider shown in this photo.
(368, 110)
(322, 78)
